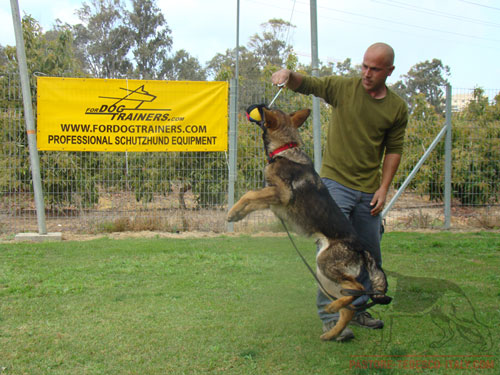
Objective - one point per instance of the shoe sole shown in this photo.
(354, 323)
(343, 338)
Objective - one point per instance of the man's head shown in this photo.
(378, 64)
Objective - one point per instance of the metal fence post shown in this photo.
(233, 143)
(28, 118)
(315, 101)
(447, 162)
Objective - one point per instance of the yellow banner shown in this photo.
(75, 114)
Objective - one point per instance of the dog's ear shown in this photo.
(299, 117)
(270, 118)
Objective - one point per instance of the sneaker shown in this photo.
(345, 335)
(364, 319)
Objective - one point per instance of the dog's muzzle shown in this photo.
(255, 114)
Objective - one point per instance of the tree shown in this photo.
(182, 66)
(341, 68)
(58, 52)
(102, 39)
(3, 56)
(428, 78)
(49, 54)
(151, 38)
(264, 54)
(222, 66)
(271, 47)
(345, 69)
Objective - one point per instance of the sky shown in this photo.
(463, 34)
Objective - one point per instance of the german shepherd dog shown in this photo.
(296, 194)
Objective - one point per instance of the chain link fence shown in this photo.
(95, 192)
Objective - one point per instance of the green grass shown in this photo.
(240, 305)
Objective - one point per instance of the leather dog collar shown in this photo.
(281, 149)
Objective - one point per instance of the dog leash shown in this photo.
(281, 86)
(305, 262)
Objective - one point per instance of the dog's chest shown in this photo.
(293, 175)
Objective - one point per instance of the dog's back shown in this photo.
(311, 207)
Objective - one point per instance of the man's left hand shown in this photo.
(378, 201)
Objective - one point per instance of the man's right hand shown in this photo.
(292, 80)
(281, 77)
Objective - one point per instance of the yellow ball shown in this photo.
(255, 114)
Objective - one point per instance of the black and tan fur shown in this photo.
(296, 194)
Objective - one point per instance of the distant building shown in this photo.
(460, 101)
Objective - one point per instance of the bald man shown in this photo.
(362, 153)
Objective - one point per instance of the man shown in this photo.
(366, 131)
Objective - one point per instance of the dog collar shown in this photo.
(281, 149)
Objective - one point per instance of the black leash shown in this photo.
(305, 262)
(345, 292)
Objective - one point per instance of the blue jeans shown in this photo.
(356, 206)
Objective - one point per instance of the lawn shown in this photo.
(242, 305)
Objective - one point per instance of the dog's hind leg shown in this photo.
(345, 317)
(339, 305)
(254, 200)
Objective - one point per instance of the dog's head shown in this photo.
(280, 128)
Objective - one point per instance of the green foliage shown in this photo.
(207, 174)
(67, 180)
(65, 176)
(102, 39)
(428, 78)
(419, 135)
(477, 163)
(151, 37)
(271, 46)
(183, 67)
(112, 42)
(266, 51)
(475, 154)
(341, 68)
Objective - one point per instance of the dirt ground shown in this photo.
(119, 216)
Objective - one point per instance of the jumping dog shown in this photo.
(296, 194)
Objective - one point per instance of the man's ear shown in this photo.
(299, 117)
(270, 118)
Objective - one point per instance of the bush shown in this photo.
(475, 153)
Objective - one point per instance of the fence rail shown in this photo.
(88, 192)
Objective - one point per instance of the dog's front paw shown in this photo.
(326, 336)
(234, 215)
(333, 307)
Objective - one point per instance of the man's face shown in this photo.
(375, 70)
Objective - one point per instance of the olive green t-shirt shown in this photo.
(361, 129)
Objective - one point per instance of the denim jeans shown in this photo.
(356, 206)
